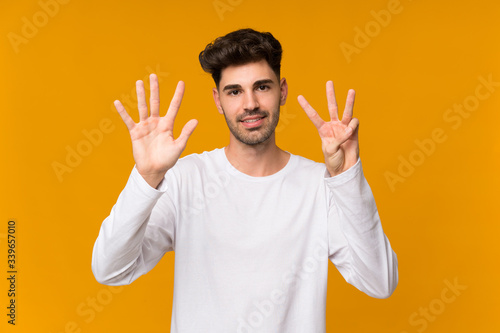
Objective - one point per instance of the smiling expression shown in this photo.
(249, 97)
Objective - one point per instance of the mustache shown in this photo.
(260, 113)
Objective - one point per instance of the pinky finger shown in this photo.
(129, 122)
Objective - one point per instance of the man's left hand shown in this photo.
(339, 137)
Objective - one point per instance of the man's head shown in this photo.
(245, 66)
(241, 47)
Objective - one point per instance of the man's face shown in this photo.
(250, 96)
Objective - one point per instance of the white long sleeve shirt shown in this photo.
(251, 253)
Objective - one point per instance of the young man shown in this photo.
(252, 226)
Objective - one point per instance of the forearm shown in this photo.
(118, 251)
(368, 262)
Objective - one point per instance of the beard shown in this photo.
(257, 135)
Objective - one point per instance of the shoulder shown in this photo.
(203, 157)
(304, 162)
(198, 161)
(308, 166)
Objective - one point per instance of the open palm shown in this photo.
(339, 138)
(154, 148)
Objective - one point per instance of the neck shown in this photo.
(259, 160)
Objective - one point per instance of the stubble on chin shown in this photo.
(248, 136)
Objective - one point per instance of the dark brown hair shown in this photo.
(238, 48)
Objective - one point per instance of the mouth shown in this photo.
(253, 121)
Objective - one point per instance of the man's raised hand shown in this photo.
(339, 138)
(154, 148)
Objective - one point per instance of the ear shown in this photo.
(283, 91)
(215, 93)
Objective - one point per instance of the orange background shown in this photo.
(408, 71)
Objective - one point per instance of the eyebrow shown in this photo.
(231, 87)
(255, 84)
(260, 82)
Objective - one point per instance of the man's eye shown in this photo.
(233, 92)
(263, 87)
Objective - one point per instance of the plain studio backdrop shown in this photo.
(427, 79)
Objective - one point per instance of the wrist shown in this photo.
(153, 179)
(333, 173)
(335, 170)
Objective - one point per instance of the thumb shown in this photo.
(186, 132)
(350, 130)
(334, 145)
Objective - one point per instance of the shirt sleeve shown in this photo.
(138, 232)
(358, 246)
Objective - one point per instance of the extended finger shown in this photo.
(141, 100)
(186, 132)
(332, 101)
(311, 113)
(349, 106)
(154, 100)
(175, 104)
(129, 122)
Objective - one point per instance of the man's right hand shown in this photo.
(154, 148)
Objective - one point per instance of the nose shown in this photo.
(250, 101)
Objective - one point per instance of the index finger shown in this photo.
(311, 113)
(129, 122)
(175, 103)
